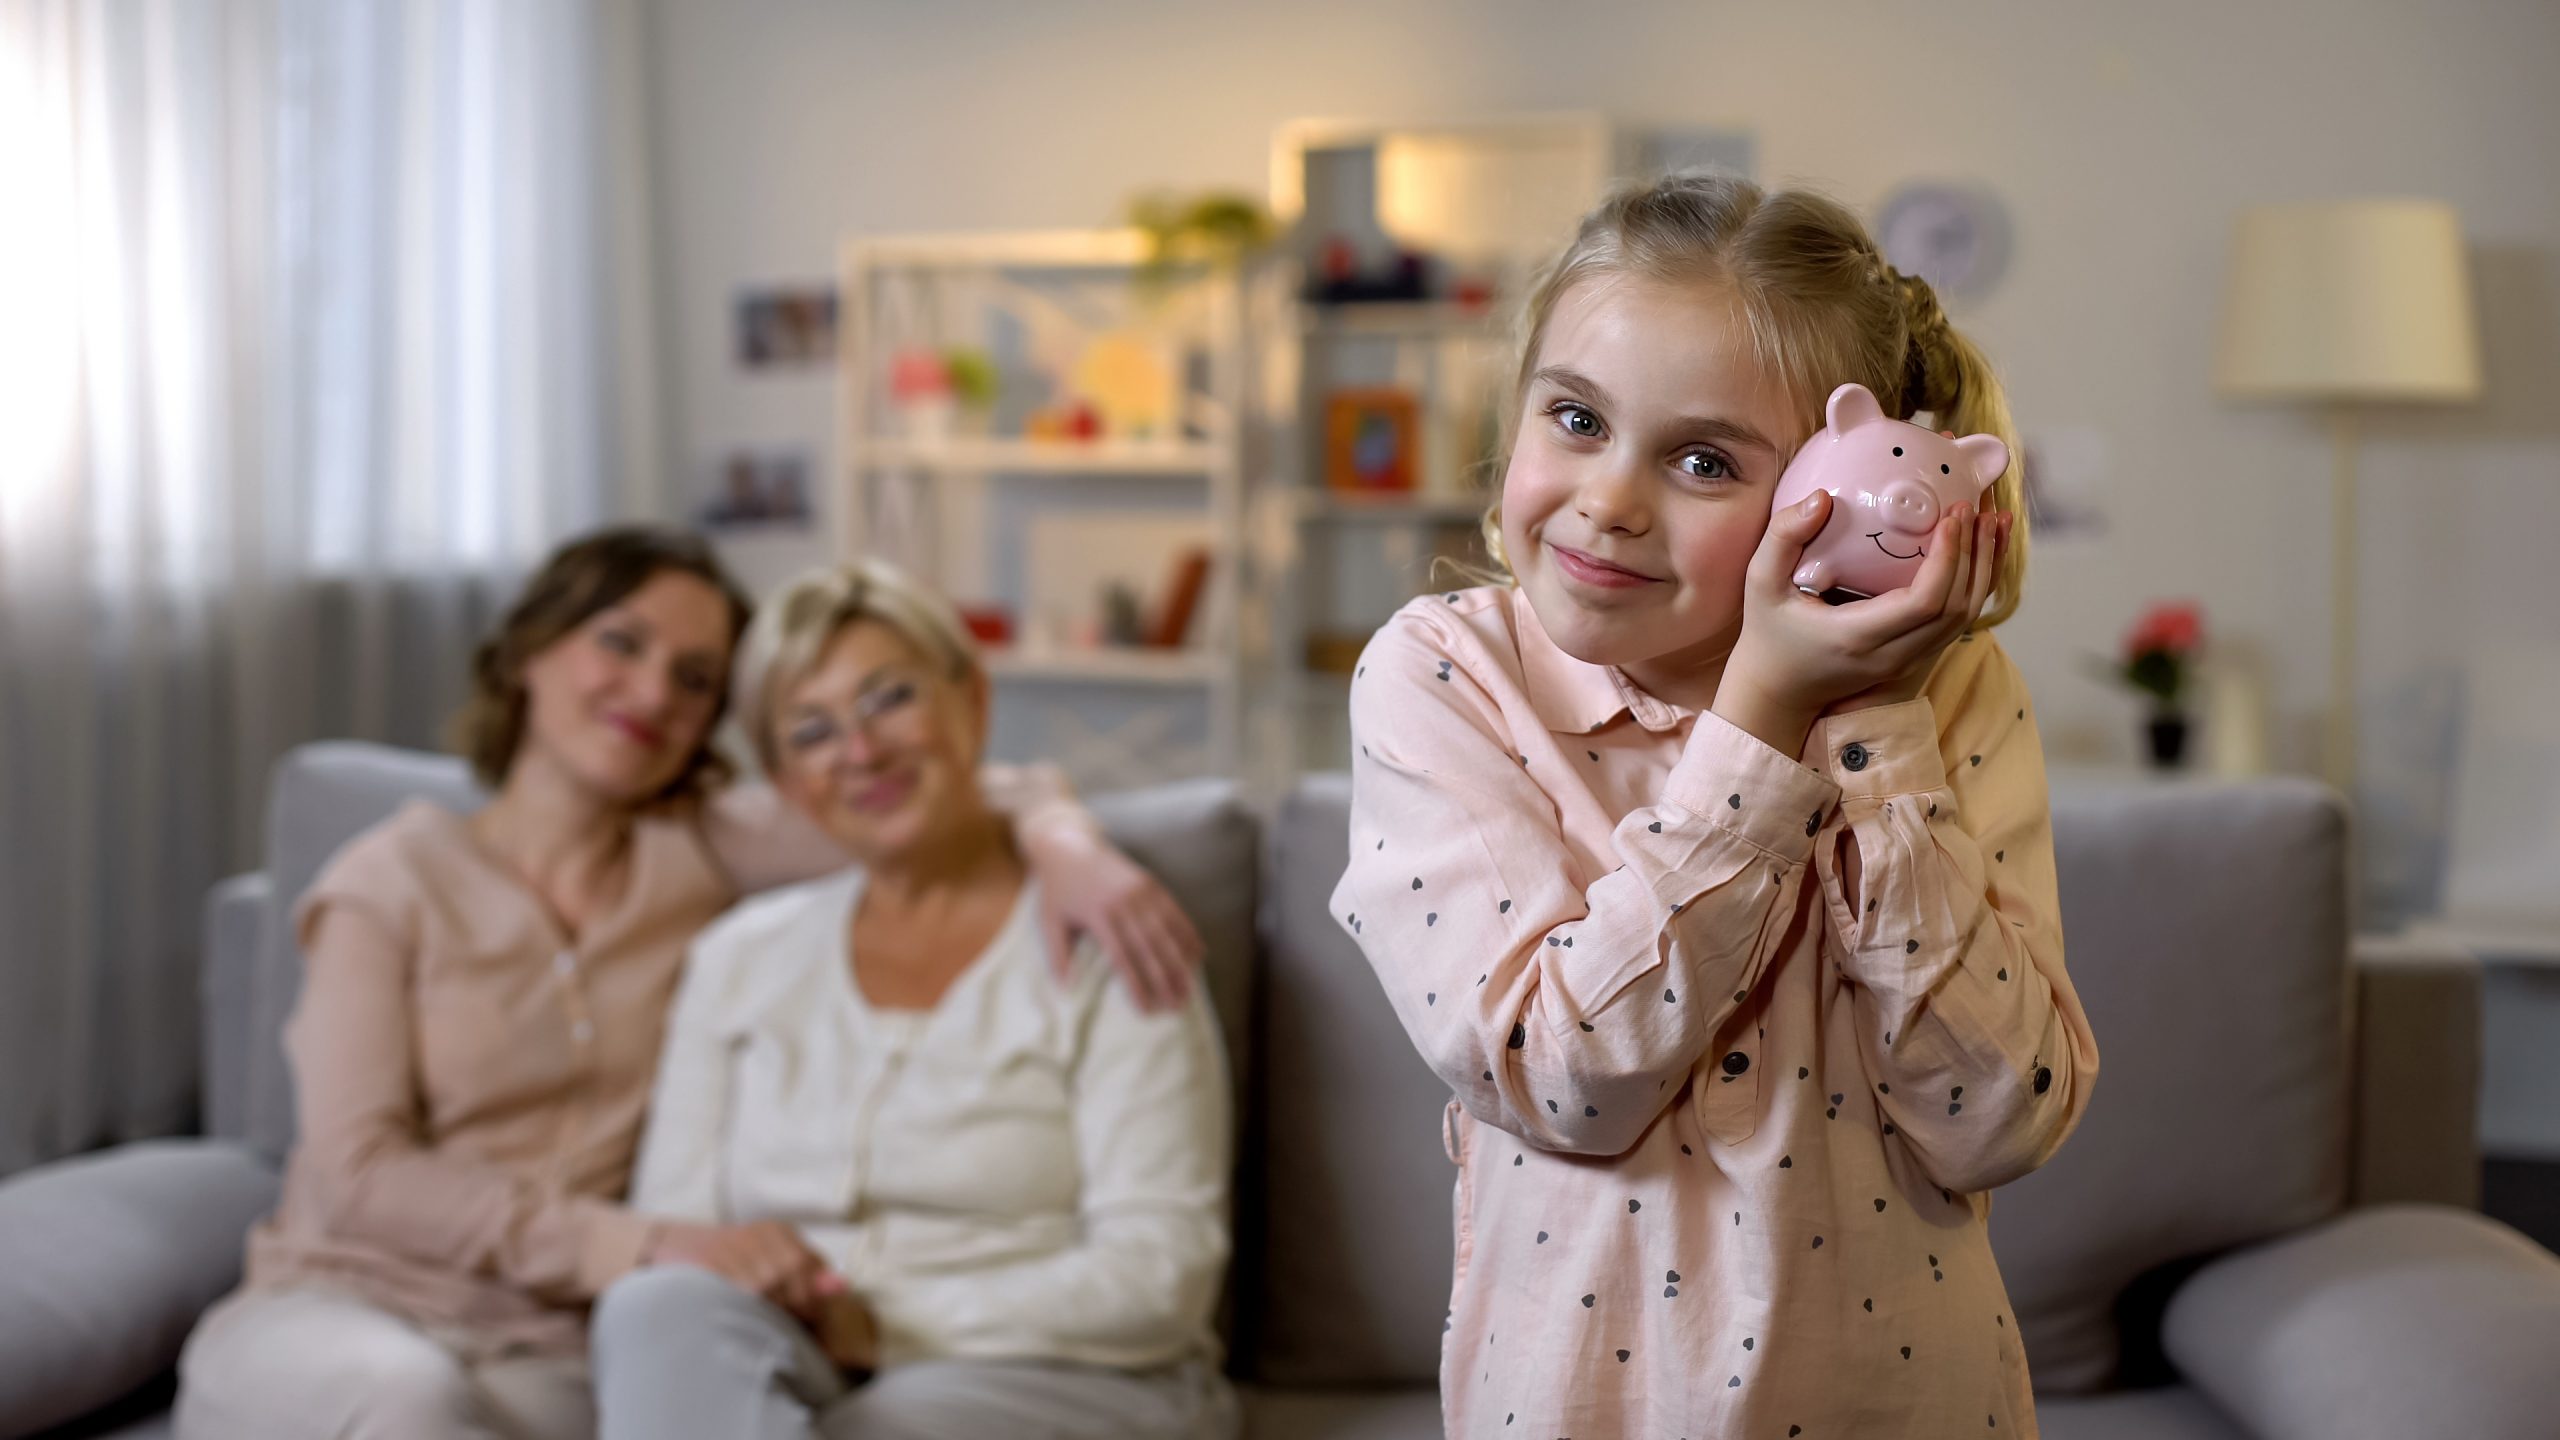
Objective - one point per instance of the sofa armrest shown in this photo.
(235, 912)
(105, 1263)
(2417, 1075)
(2389, 1322)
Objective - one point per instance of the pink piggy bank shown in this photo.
(1889, 481)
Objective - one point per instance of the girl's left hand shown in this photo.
(1824, 659)
(1092, 889)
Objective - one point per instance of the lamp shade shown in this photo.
(2354, 300)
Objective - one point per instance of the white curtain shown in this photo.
(319, 320)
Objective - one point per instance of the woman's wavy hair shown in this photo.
(582, 578)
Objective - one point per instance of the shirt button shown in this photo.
(583, 1031)
(1736, 1063)
(1855, 757)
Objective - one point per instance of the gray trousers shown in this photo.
(680, 1354)
(319, 1364)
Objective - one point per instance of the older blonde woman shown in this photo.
(1018, 1190)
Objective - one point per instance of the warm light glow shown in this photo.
(2359, 300)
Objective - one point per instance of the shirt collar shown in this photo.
(1576, 697)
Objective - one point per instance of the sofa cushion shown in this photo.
(320, 797)
(1204, 844)
(108, 1261)
(1405, 1412)
(2206, 934)
(2396, 1320)
(2171, 1412)
(1344, 1250)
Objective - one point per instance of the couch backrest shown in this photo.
(2206, 930)
(2206, 936)
(320, 797)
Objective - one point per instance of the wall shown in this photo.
(2121, 137)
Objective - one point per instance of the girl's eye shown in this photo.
(694, 679)
(620, 642)
(809, 734)
(1706, 465)
(1576, 420)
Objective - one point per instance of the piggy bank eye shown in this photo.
(1943, 470)
(1897, 452)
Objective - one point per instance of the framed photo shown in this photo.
(755, 487)
(1370, 437)
(782, 326)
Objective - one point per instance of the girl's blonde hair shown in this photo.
(1822, 306)
(791, 632)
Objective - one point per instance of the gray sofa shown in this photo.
(2263, 1227)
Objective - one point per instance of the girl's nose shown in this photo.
(1614, 500)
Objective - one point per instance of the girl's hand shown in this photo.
(1089, 888)
(1802, 657)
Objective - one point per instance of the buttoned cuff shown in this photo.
(1882, 750)
(1735, 781)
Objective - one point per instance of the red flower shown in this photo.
(2177, 629)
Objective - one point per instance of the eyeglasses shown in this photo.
(812, 727)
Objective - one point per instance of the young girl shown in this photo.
(1728, 914)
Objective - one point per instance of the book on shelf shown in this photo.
(1182, 598)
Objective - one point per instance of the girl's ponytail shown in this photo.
(1944, 374)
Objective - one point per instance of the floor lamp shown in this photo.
(2340, 305)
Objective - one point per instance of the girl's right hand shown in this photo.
(766, 1258)
(1799, 656)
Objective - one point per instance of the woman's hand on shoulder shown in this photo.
(1090, 889)
(1810, 658)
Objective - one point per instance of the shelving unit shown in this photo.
(1485, 195)
(966, 512)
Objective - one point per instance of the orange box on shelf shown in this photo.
(1369, 439)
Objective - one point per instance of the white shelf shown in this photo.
(1115, 666)
(1027, 249)
(1424, 319)
(1410, 509)
(1047, 457)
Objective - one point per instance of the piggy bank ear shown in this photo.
(1986, 454)
(1852, 405)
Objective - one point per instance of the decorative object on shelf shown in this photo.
(1956, 237)
(2338, 305)
(786, 326)
(1172, 623)
(1222, 227)
(2159, 660)
(1121, 617)
(751, 487)
(1073, 420)
(1369, 439)
(989, 625)
(1125, 378)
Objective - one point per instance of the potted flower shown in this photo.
(2159, 661)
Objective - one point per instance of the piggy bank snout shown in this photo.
(1908, 506)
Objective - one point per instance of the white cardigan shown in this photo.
(1030, 1170)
